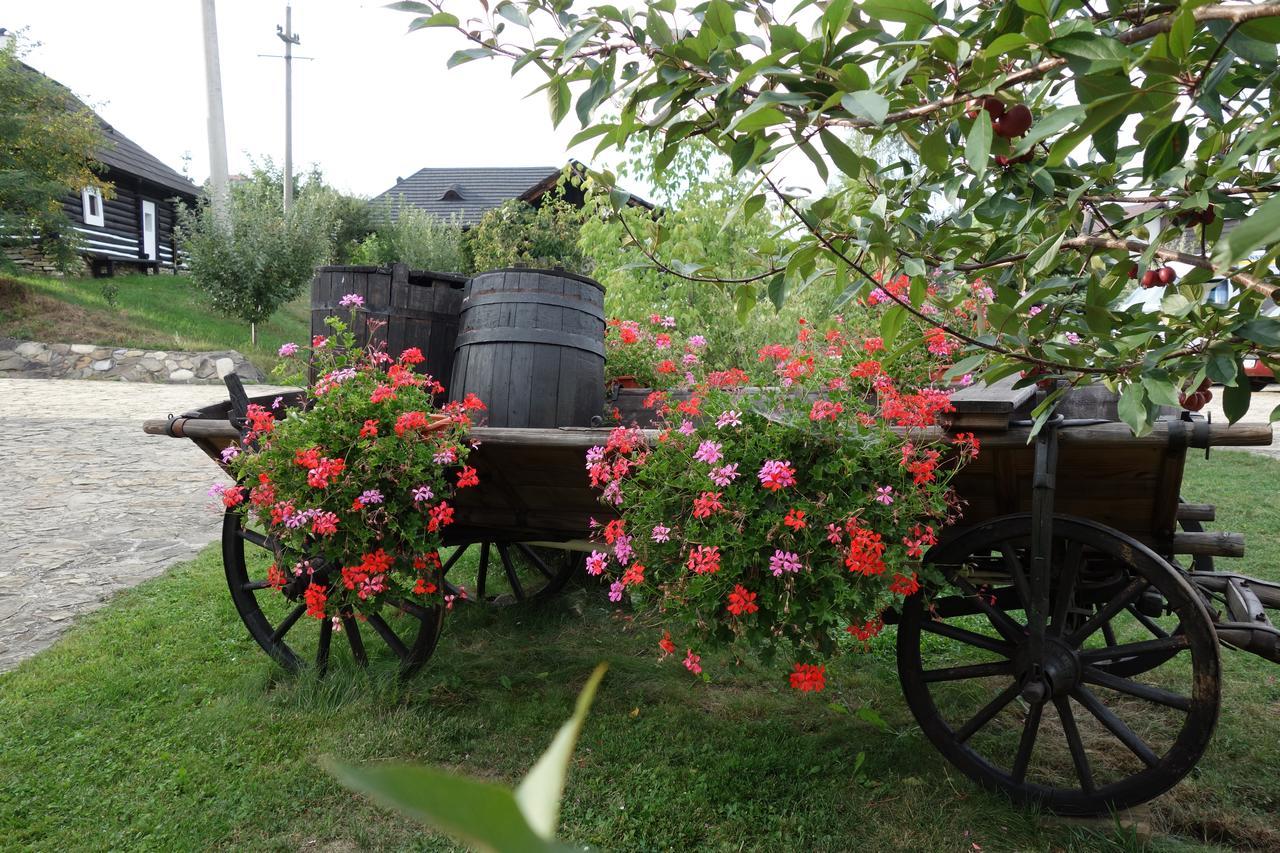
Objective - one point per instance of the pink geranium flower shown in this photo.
(708, 452)
(884, 495)
(784, 561)
(777, 474)
(692, 662)
(729, 418)
(661, 533)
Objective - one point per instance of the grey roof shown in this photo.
(481, 189)
(122, 153)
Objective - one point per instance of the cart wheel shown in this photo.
(507, 573)
(410, 631)
(1077, 729)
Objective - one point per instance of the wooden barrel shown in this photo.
(402, 308)
(531, 346)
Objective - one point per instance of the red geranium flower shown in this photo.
(741, 601)
(807, 677)
(316, 598)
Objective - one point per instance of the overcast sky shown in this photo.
(374, 104)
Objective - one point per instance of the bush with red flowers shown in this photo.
(789, 517)
(357, 485)
(652, 354)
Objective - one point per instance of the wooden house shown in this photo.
(133, 227)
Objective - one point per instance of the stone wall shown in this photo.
(32, 360)
(31, 259)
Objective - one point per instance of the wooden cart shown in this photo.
(1073, 661)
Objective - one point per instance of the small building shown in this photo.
(133, 228)
(465, 194)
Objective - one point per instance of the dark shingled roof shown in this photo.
(122, 153)
(481, 189)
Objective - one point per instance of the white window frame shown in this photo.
(90, 218)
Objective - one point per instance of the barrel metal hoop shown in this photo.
(535, 298)
(550, 337)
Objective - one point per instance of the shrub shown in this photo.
(255, 258)
(406, 235)
(518, 234)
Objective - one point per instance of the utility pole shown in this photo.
(290, 38)
(217, 122)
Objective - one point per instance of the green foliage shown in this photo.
(256, 258)
(653, 262)
(48, 141)
(485, 816)
(405, 234)
(518, 234)
(1134, 119)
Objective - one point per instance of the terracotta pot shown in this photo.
(625, 381)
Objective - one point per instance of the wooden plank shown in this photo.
(1217, 544)
(999, 397)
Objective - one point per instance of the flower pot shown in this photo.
(626, 381)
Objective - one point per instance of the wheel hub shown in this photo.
(1059, 670)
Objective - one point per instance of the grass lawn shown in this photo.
(153, 312)
(157, 724)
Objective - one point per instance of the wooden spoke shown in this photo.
(1009, 553)
(454, 557)
(1160, 696)
(1108, 634)
(482, 572)
(512, 577)
(946, 629)
(538, 563)
(995, 706)
(259, 539)
(322, 650)
(1116, 726)
(973, 670)
(289, 621)
(1158, 648)
(413, 609)
(1147, 622)
(388, 636)
(1123, 599)
(450, 589)
(352, 629)
(1027, 742)
(1067, 586)
(1000, 620)
(1074, 743)
(254, 586)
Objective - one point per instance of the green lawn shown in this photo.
(157, 724)
(152, 312)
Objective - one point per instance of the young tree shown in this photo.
(255, 258)
(1061, 148)
(48, 140)
(408, 235)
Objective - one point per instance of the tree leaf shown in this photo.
(538, 795)
(977, 145)
(1235, 398)
(480, 814)
(890, 322)
(462, 56)
(778, 290)
(1165, 149)
(1043, 256)
(1261, 330)
(440, 19)
(866, 105)
(1249, 234)
(842, 155)
(1132, 408)
(902, 11)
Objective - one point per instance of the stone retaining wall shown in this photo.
(33, 360)
(31, 259)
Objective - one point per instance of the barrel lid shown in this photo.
(559, 272)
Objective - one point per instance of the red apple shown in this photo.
(1167, 275)
(1150, 278)
(1015, 122)
(994, 106)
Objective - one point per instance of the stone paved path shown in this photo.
(89, 505)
